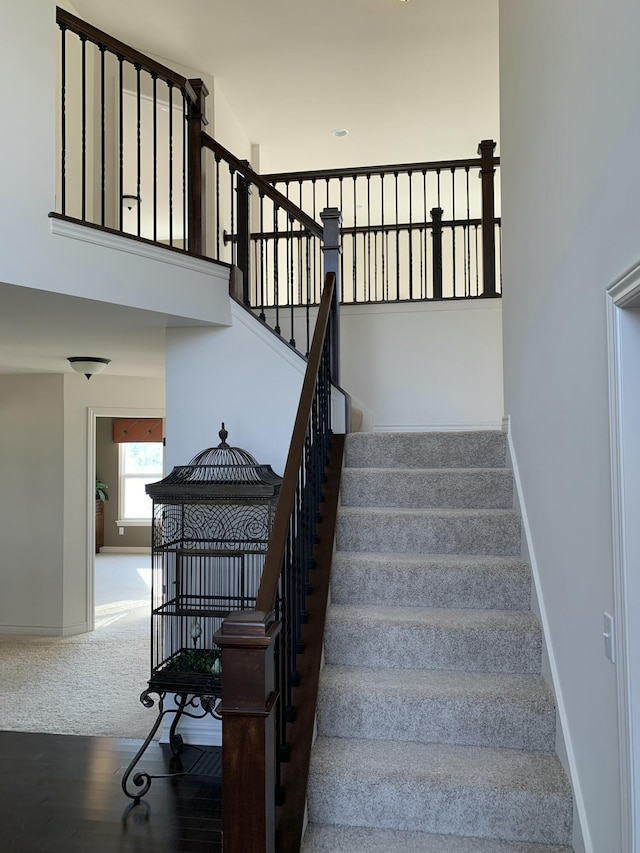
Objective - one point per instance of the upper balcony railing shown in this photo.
(135, 158)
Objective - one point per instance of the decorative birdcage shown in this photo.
(211, 525)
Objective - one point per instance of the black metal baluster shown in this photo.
(276, 295)
(154, 78)
(138, 152)
(467, 272)
(383, 246)
(315, 243)
(453, 228)
(83, 41)
(395, 177)
(233, 208)
(121, 139)
(475, 230)
(262, 258)
(355, 242)
(368, 262)
(342, 275)
(63, 120)
(217, 161)
(308, 235)
(102, 49)
(424, 234)
(170, 163)
(290, 281)
(185, 119)
(410, 235)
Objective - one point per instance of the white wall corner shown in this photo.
(581, 836)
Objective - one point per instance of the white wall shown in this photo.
(44, 499)
(416, 366)
(30, 255)
(570, 136)
(241, 375)
(31, 502)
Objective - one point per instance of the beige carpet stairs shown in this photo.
(435, 728)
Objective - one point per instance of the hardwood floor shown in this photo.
(62, 794)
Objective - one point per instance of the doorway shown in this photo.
(623, 319)
(99, 422)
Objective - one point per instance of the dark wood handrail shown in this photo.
(81, 28)
(356, 171)
(277, 541)
(263, 185)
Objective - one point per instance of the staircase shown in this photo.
(435, 728)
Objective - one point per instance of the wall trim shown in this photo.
(116, 549)
(121, 243)
(437, 427)
(623, 293)
(33, 630)
(557, 689)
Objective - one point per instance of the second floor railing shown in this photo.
(136, 158)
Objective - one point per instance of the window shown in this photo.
(140, 463)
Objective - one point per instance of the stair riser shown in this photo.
(446, 587)
(339, 839)
(434, 807)
(418, 646)
(426, 450)
(472, 722)
(496, 532)
(442, 489)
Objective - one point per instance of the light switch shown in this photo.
(609, 640)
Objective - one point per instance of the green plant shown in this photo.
(101, 491)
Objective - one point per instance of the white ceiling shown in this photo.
(411, 81)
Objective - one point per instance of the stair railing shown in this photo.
(262, 648)
(415, 231)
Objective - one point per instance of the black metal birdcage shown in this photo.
(211, 524)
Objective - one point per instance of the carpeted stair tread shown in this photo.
(433, 638)
(508, 794)
(480, 709)
(325, 838)
(431, 580)
(429, 531)
(444, 488)
(472, 449)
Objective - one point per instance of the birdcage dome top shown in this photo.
(222, 470)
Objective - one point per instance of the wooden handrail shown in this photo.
(356, 171)
(81, 28)
(277, 541)
(263, 185)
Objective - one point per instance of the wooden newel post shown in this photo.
(436, 254)
(248, 731)
(332, 249)
(244, 233)
(487, 170)
(196, 181)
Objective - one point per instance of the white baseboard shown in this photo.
(31, 630)
(465, 427)
(582, 842)
(115, 549)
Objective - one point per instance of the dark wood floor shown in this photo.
(62, 794)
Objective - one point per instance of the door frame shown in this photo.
(623, 337)
(93, 413)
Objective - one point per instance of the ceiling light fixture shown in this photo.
(88, 365)
(339, 132)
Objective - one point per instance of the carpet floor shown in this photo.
(87, 684)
